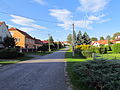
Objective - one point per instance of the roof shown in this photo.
(38, 41)
(103, 42)
(45, 41)
(24, 33)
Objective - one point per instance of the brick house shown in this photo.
(23, 40)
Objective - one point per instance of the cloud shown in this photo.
(25, 22)
(92, 5)
(105, 20)
(65, 17)
(27, 29)
(96, 18)
(41, 2)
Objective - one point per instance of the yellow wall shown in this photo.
(17, 34)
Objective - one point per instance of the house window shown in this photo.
(17, 39)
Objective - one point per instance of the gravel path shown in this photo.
(41, 73)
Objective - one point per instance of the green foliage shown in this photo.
(99, 74)
(94, 39)
(115, 35)
(108, 37)
(86, 39)
(102, 50)
(79, 38)
(69, 38)
(87, 53)
(10, 53)
(116, 48)
(102, 38)
(9, 42)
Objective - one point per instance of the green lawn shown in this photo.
(109, 56)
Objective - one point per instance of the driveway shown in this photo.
(40, 73)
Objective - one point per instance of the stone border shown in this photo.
(67, 79)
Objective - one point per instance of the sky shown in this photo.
(55, 17)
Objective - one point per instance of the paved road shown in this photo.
(41, 73)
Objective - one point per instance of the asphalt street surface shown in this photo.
(41, 73)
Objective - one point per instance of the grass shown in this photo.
(109, 56)
(16, 60)
(71, 61)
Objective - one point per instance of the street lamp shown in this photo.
(49, 42)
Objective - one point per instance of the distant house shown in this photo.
(23, 39)
(101, 42)
(38, 43)
(45, 42)
(3, 33)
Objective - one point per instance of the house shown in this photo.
(3, 33)
(38, 43)
(23, 40)
(45, 42)
(101, 42)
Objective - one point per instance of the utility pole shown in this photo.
(73, 53)
(58, 44)
(49, 43)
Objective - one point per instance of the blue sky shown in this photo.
(42, 17)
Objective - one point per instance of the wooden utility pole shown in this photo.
(73, 53)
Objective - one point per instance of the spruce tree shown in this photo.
(79, 38)
(86, 39)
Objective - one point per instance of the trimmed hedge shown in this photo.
(10, 53)
(99, 74)
(116, 48)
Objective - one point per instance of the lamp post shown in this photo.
(49, 43)
(73, 53)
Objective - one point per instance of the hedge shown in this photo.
(116, 48)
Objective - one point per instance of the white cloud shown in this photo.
(65, 17)
(92, 5)
(27, 29)
(95, 18)
(41, 2)
(103, 21)
(25, 22)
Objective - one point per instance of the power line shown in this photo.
(43, 20)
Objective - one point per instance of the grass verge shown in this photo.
(71, 61)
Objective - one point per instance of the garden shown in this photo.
(94, 68)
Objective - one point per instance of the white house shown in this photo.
(3, 33)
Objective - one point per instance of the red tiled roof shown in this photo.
(103, 42)
(24, 33)
(45, 41)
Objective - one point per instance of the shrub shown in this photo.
(102, 50)
(99, 74)
(9, 53)
(116, 48)
(87, 53)
(83, 47)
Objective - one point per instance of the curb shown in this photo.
(67, 80)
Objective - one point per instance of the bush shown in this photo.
(87, 53)
(99, 74)
(116, 48)
(9, 53)
(102, 50)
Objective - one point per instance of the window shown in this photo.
(17, 39)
